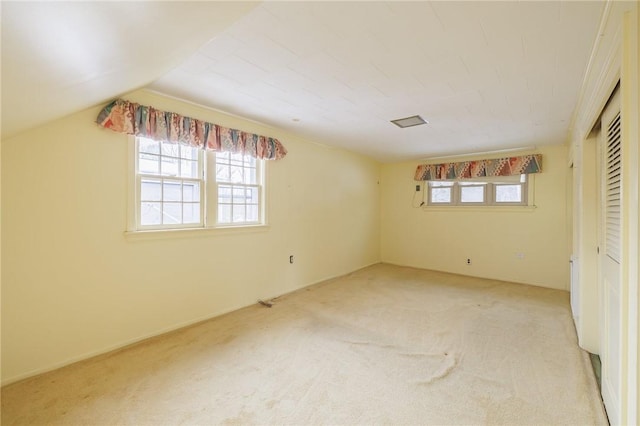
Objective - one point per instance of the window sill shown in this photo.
(509, 209)
(161, 234)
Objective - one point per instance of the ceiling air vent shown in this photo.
(414, 120)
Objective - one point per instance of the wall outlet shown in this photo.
(468, 261)
(417, 188)
(291, 259)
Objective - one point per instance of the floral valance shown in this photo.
(133, 119)
(481, 168)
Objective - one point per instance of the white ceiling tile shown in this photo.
(267, 54)
(487, 75)
(221, 47)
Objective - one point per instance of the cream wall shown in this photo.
(442, 239)
(0, 255)
(74, 285)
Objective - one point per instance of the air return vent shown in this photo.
(415, 120)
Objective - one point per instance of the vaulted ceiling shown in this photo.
(486, 75)
(60, 57)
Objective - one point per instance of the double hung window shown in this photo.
(179, 186)
(238, 188)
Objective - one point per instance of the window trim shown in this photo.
(139, 226)
(524, 192)
(212, 213)
(208, 205)
(452, 192)
(137, 186)
(485, 193)
(490, 194)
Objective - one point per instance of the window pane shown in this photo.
(249, 161)
(188, 152)
(171, 149)
(169, 166)
(237, 159)
(150, 190)
(190, 191)
(441, 195)
(222, 173)
(191, 213)
(472, 194)
(508, 193)
(149, 164)
(189, 168)
(440, 183)
(252, 213)
(236, 174)
(148, 145)
(250, 176)
(224, 194)
(239, 195)
(224, 213)
(252, 195)
(150, 213)
(222, 157)
(238, 213)
(172, 191)
(172, 213)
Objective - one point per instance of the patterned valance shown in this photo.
(134, 119)
(481, 168)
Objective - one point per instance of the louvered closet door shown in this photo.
(611, 178)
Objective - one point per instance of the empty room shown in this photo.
(332, 213)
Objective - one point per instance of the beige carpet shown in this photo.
(384, 345)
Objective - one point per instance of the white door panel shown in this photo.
(609, 258)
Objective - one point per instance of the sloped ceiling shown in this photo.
(61, 57)
(486, 75)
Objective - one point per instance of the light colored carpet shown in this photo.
(384, 345)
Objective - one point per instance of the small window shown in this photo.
(499, 191)
(513, 192)
(508, 193)
(472, 193)
(440, 192)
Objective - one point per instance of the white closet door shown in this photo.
(611, 178)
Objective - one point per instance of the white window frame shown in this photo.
(471, 184)
(139, 177)
(208, 195)
(212, 213)
(440, 185)
(524, 192)
(490, 186)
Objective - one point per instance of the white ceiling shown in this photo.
(486, 75)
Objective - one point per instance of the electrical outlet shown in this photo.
(291, 259)
(468, 261)
(417, 188)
